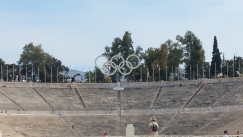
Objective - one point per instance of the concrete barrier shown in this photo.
(130, 130)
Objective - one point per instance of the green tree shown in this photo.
(124, 47)
(90, 77)
(193, 53)
(43, 64)
(167, 56)
(152, 58)
(215, 58)
(175, 55)
(156, 60)
(95, 76)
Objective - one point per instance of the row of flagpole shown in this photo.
(26, 76)
(140, 70)
(227, 72)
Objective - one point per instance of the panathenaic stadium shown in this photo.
(198, 108)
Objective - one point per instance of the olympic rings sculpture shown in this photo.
(117, 67)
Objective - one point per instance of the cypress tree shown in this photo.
(215, 58)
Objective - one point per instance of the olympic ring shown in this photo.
(106, 67)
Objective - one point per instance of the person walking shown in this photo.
(153, 128)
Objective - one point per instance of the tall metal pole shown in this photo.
(147, 74)
(209, 71)
(234, 67)
(38, 74)
(57, 74)
(159, 73)
(178, 73)
(45, 73)
(13, 73)
(239, 68)
(51, 74)
(70, 73)
(63, 75)
(7, 72)
(221, 69)
(153, 73)
(215, 70)
(227, 70)
(190, 72)
(197, 71)
(95, 74)
(77, 73)
(141, 73)
(203, 71)
(32, 73)
(20, 72)
(89, 75)
(172, 74)
(166, 73)
(26, 73)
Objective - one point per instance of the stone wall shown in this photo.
(103, 112)
(112, 85)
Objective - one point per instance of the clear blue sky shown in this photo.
(76, 31)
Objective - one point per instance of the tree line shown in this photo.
(163, 63)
